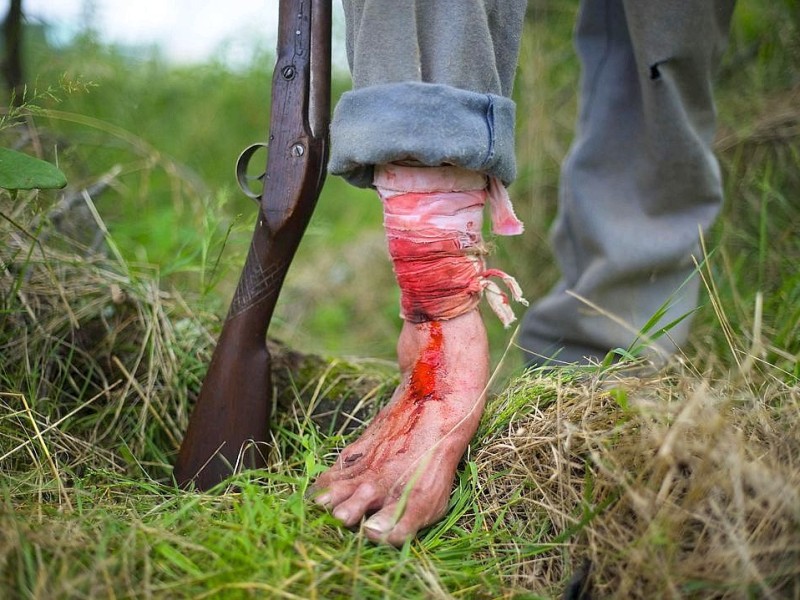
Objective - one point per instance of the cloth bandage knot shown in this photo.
(433, 217)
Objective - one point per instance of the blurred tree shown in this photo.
(12, 61)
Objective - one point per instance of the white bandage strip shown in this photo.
(431, 205)
(398, 179)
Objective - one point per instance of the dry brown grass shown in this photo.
(98, 344)
(669, 486)
(103, 365)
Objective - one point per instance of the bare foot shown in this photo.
(400, 471)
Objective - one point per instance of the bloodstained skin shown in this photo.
(431, 256)
(424, 385)
(437, 278)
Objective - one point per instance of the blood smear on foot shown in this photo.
(423, 385)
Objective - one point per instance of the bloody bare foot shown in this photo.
(400, 471)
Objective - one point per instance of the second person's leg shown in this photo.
(640, 180)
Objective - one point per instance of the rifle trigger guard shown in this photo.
(242, 178)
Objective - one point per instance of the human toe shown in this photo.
(331, 495)
(393, 525)
(367, 496)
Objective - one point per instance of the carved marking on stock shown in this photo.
(256, 284)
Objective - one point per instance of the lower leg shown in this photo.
(400, 471)
(639, 182)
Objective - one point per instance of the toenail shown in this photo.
(342, 514)
(323, 499)
(378, 524)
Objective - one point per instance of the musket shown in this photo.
(229, 427)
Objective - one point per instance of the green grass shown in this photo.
(683, 483)
(131, 537)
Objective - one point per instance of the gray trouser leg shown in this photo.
(431, 83)
(640, 179)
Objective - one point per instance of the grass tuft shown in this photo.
(690, 486)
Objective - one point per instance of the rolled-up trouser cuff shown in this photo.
(430, 123)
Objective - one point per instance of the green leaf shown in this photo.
(22, 172)
(619, 396)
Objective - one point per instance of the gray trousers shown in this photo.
(432, 82)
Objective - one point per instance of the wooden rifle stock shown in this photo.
(229, 426)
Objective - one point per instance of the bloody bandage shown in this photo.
(433, 218)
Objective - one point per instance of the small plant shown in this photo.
(20, 171)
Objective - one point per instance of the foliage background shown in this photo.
(176, 132)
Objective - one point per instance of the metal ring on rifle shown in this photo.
(242, 178)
